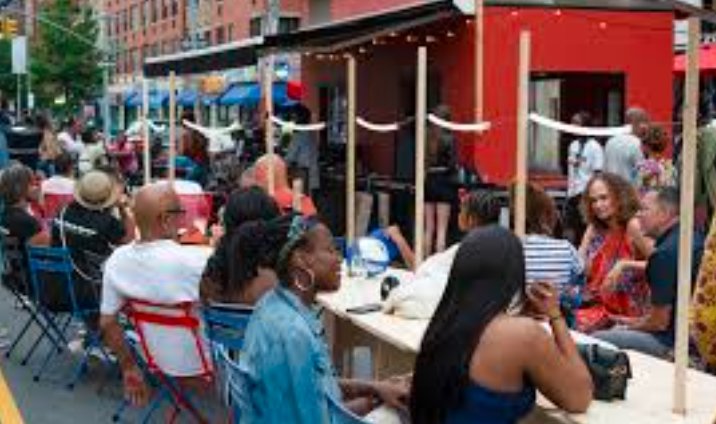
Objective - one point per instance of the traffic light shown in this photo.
(8, 27)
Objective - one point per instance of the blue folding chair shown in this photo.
(49, 265)
(225, 325)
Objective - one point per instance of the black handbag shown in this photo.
(610, 370)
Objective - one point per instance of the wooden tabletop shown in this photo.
(648, 395)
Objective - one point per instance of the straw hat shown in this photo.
(95, 191)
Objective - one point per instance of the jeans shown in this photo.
(634, 340)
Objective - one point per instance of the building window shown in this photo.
(175, 7)
(207, 38)
(288, 24)
(230, 33)
(220, 35)
(255, 26)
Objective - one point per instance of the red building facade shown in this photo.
(615, 58)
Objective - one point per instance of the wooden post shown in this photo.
(420, 118)
(351, 154)
(686, 226)
(297, 186)
(522, 124)
(269, 127)
(145, 132)
(479, 59)
(172, 126)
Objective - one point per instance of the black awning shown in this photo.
(227, 56)
(340, 34)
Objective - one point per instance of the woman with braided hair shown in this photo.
(240, 269)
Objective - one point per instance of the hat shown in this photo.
(95, 191)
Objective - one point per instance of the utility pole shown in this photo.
(106, 61)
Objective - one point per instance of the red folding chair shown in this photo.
(142, 314)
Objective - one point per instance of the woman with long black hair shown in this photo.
(480, 364)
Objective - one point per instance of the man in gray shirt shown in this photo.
(623, 152)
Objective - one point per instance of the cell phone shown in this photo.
(365, 309)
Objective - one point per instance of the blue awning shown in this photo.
(187, 98)
(157, 99)
(250, 95)
(129, 97)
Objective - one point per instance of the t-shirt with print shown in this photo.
(89, 235)
(164, 272)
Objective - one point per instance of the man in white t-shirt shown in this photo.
(70, 139)
(586, 158)
(623, 153)
(156, 269)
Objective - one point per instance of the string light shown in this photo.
(558, 12)
(320, 56)
(362, 50)
(468, 21)
(430, 39)
(514, 13)
(393, 34)
(411, 38)
(450, 34)
(602, 25)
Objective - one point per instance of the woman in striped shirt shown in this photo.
(547, 258)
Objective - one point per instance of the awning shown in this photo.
(707, 60)
(338, 35)
(187, 97)
(236, 54)
(157, 99)
(250, 95)
(129, 97)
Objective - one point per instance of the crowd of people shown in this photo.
(484, 354)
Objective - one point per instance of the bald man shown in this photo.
(156, 269)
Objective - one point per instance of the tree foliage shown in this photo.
(65, 61)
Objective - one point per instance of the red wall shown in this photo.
(637, 44)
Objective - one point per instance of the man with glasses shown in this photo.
(155, 269)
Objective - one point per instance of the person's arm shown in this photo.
(586, 240)
(127, 221)
(40, 239)
(643, 246)
(392, 393)
(553, 363)
(403, 247)
(135, 388)
(656, 319)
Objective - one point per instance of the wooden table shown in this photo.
(395, 341)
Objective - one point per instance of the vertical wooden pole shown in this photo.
(297, 187)
(522, 126)
(420, 122)
(145, 132)
(268, 125)
(691, 105)
(351, 154)
(479, 59)
(172, 126)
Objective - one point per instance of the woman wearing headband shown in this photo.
(285, 359)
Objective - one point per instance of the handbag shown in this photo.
(610, 370)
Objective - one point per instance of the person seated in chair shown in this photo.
(653, 333)
(282, 190)
(157, 269)
(63, 182)
(17, 191)
(89, 230)
(285, 358)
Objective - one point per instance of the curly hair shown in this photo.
(15, 183)
(656, 138)
(623, 195)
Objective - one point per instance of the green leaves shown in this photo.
(65, 60)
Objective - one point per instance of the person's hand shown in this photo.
(394, 393)
(217, 232)
(135, 388)
(613, 275)
(393, 232)
(543, 299)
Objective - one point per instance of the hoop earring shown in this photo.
(312, 277)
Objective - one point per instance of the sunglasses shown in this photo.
(175, 211)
